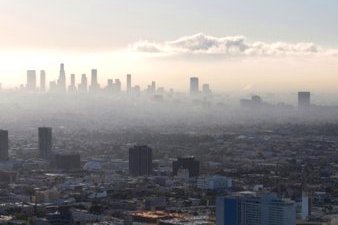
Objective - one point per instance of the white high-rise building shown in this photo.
(31, 80)
(61, 83)
(129, 84)
(42, 80)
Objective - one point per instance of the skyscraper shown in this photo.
(151, 89)
(110, 85)
(153, 86)
(117, 85)
(31, 80)
(250, 208)
(304, 99)
(140, 161)
(45, 142)
(83, 86)
(72, 80)
(72, 86)
(62, 78)
(94, 85)
(194, 85)
(129, 83)
(42, 80)
(3, 145)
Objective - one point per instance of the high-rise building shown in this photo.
(114, 87)
(94, 85)
(84, 83)
(31, 80)
(140, 161)
(306, 206)
(3, 145)
(304, 99)
(62, 78)
(42, 80)
(129, 84)
(117, 85)
(187, 163)
(255, 101)
(45, 142)
(72, 86)
(151, 89)
(254, 209)
(194, 85)
(110, 85)
(72, 80)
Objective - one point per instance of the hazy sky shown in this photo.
(261, 45)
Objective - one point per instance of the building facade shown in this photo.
(94, 85)
(304, 99)
(252, 209)
(140, 161)
(187, 163)
(194, 85)
(45, 142)
(31, 80)
(214, 183)
(3, 145)
(42, 80)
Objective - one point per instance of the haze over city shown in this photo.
(237, 45)
(156, 112)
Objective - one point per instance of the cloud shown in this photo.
(146, 46)
(229, 46)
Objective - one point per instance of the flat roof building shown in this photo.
(140, 160)
(31, 80)
(187, 163)
(3, 145)
(304, 99)
(194, 85)
(250, 208)
(45, 142)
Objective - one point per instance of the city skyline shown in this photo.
(115, 86)
(178, 112)
(195, 88)
(241, 45)
(236, 74)
(39, 80)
